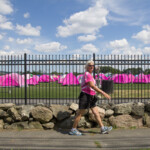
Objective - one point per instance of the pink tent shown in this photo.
(101, 76)
(34, 80)
(1, 80)
(13, 79)
(45, 78)
(121, 78)
(61, 79)
(70, 79)
(36, 77)
(79, 78)
(54, 77)
(131, 78)
(28, 76)
(148, 76)
(141, 78)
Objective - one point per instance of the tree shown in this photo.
(106, 69)
(55, 72)
(133, 71)
(147, 71)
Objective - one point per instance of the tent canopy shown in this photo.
(70, 79)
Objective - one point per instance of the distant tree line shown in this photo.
(134, 71)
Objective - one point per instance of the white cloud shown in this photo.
(50, 47)
(27, 51)
(2, 52)
(88, 48)
(2, 19)
(87, 22)
(146, 50)
(126, 11)
(28, 30)
(76, 56)
(122, 47)
(24, 41)
(6, 47)
(5, 7)
(1, 36)
(87, 38)
(119, 44)
(10, 39)
(127, 51)
(6, 26)
(143, 35)
(15, 52)
(26, 15)
(22, 51)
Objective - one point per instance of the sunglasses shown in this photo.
(91, 65)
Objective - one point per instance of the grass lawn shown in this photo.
(55, 90)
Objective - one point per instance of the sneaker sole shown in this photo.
(74, 134)
(106, 132)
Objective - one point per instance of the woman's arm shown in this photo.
(91, 84)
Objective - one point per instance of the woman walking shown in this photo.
(88, 100)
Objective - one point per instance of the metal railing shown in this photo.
(17, 72)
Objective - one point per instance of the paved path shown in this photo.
(120, 139)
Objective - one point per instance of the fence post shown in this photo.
(25, 75)
(94, 65)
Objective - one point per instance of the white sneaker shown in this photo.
(106, 129)
(75, 132)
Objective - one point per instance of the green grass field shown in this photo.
(55, 90)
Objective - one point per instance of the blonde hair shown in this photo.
(87, 63)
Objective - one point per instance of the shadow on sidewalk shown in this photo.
(82, 130)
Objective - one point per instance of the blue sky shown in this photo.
(118, 27)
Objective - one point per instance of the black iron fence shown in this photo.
(32, 79)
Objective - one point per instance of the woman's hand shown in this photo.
(107, 96)
(91, 84)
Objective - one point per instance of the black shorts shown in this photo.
(87, 101)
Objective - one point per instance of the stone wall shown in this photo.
(126, 115)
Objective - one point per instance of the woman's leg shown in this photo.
(78, 117)
(97, 116)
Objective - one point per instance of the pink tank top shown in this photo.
(87, 77)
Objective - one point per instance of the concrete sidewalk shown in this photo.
(118, 139)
